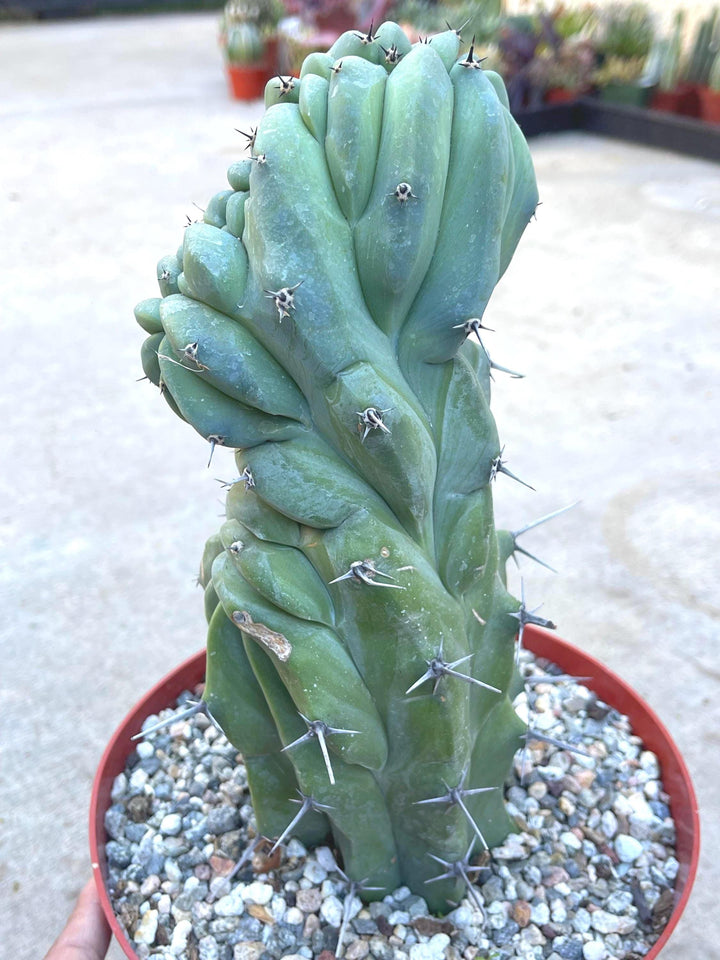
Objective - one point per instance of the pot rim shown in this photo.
(605, 683)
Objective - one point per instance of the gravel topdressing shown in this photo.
(589, 875)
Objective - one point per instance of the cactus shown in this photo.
(714, 74)
(245, 44)
(704, 48)
(323, 320)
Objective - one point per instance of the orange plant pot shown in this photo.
(606, 684)
(709, 104)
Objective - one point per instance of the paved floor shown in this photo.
(109, 130)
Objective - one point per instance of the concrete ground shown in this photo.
(109, 130)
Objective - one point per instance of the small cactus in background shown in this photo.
(324, 321)
(245, 44)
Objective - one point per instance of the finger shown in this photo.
(87, 934)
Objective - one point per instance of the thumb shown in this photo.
(86, 935)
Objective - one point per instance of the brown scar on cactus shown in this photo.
(320, 731)
(371, 419)
(455, 796)
(365, 572)
(274, 642)
(284, 299)
(439, 668)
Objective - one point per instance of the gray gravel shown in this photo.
(588, 876)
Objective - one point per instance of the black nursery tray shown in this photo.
(653, 128)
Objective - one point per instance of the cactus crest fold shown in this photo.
(361, 638)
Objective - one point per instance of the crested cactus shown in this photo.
(323, 321)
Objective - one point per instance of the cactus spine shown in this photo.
(361, 643)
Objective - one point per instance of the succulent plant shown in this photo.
(704, 49)
(324, 321)
(625, 31)
(245, 44)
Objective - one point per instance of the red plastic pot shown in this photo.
(684, 100)
(604, 682)
(561, 95)
(247, 83)
(709, 104)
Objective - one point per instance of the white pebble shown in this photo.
(559, 911)
(434, 949)
(257, 892)
(649, 763)
(605, 923)
(119, 787)
(145, 749)
(609, 824)
(627, 848)
(231, 905)
(147, 928)
(293, 916)
(314, 872)
(171, 824)
(180, 935)
(594, 950)
(295, 849)
(331, 911)
(540, 914)
(138, 779)
(670, 868)
(163, 904)
(325, 858)
(570, 840)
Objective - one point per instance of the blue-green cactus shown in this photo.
(361, 647)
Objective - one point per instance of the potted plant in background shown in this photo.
(248, 41)
(709, 94)
(313, 26)
(565, 73)
(623, 39)
(364, 652)
(699, 64)
(673, 94)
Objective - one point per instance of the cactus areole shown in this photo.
(322, 320)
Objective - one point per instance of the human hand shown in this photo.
(86, 935)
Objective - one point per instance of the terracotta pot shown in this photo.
(709, 104)
(605, 683)
(247, 81)
(684, 100)
(561, 95)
